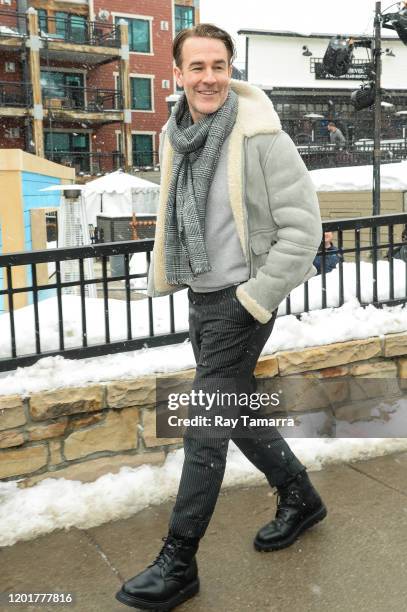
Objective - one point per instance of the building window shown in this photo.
(43, 20)
(69, 149)
(143, 154)
(184, 17)
(141, 94)
(139, 34)
(70, 27)
(68, 87)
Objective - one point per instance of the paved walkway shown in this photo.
(354, 561)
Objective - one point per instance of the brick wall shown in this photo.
(159, 64)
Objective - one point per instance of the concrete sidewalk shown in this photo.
(354, 561)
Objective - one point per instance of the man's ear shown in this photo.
(178, 76)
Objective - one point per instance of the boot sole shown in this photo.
(161, 606)
(318, 516)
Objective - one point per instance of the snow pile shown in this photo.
(360, 178)
(56, 504)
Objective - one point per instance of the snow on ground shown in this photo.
(318, 327)
(56, 504)
(59, 503)
(360, 178)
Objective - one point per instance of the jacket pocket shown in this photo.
(260, 245)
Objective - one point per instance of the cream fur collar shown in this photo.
(264, 120)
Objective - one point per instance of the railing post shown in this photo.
(34, 43)
(127, 144)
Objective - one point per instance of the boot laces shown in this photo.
(167, 552)
(289, 498)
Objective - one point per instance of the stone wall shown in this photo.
(83, 432)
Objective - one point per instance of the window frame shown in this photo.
(134, 134)
(185, 8)
(128, 16)
(150, 77)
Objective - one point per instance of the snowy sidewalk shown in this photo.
(353, 561)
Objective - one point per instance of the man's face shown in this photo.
(205, 75)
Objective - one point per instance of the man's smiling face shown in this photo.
(205, 75)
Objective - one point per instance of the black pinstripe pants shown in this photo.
(227, 342)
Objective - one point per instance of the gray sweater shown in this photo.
(228, 263)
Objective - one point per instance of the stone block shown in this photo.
(43, 432)
(11, 411)
(402, 367)
(382, 368)
(395, 344)
(117, 432)
(173, 382)
(11, 438)
(22, 461)
(373, 386)
(78, 422)
(88, 471)
(306, 393)
(267, 366)
(331, 355)
(55, 452)
(135, 392)
(329, 372)
(62, 402)
(149, 431)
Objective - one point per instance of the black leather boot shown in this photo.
(166, 583)
(298, 507)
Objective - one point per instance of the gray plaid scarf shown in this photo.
(196, 153)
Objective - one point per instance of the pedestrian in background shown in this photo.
(336, 137)
(332, 255)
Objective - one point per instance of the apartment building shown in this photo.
(86, 82)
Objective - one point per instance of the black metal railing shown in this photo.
(370, 245)
(78, 30)
(327, 156)
(366, 251)
(103, 282)
(88, 163)
(14, 94)
(12, 24)
(67, 97)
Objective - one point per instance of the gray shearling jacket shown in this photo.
(274, 204)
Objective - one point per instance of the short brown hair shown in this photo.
(202, 30)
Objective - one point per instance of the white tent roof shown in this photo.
(120, 182)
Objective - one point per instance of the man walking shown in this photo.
(238, 224)
(336, 137)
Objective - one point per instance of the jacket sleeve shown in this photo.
(295, 210)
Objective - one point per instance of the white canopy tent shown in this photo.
(118, 195)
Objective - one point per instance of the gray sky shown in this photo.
(337, 17)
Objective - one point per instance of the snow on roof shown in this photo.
(307, 34)
(120, 182)
(360, 178)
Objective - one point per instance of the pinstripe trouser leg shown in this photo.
(227, 342)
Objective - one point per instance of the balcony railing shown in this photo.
(16, 95)
(368, 268)
(68, 28)
(74, 29)
(88, 163)
(78, 98)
